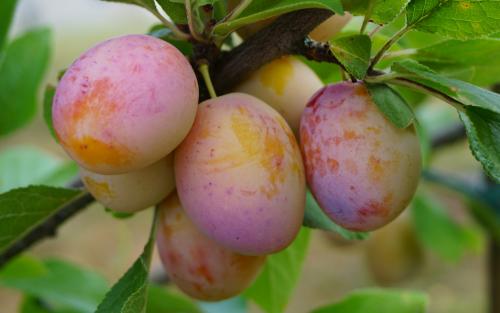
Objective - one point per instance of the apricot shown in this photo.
(362, 170)
(240, 177)
(198, 265)
(133, 191)
(323, 32)
(125, 104)
(286, 84)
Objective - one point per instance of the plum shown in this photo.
(286, 84)
(362, 170)
(240, 177)
(198, 265)
(125, 104)
(133, 191)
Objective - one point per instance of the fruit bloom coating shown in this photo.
(198, 265)
(286, 84)
(125, 104)
(362, 170)
(240, 177)
(133, 191)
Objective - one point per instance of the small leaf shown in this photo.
(458, 19)
(129, 294)
(21, 72)
(277, 280)
(176, 11)
(48, 98)
(379, 300)
(25, 208)
(483, 131)
(23, 166)
(439, 232)
(160, 31)
(383, 11)
(392, 105)
(7, 9)
(59, 283)
(263, 9)
(161, 300)
(354, 53)
(315, 218)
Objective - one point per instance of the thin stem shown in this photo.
(375, 30)
(192, 27)
(237, 11)
(388, 45)
(381, 78)
(400, 53)
(175, 30)
(203, 68)
(368, 14)
(408, 83)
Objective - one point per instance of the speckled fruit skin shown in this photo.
(240, 176)
(198, 265)
(125, 104)
(286, 84)
(362, 170)
(133, 191)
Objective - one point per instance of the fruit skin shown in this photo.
(125, 104)
(240, 177)
(362, 170)
(196, 264)
(286, 84)
(133, 191)
(393, 253)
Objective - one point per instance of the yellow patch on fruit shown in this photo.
(93, 152)
(276, 74)
(100, 190)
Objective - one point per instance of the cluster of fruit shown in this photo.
(127, 112)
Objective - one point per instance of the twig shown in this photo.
(280, 38)
(48, 228)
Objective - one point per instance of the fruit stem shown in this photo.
(388, 45)
(175, 30)
(237, 11)
(203, 68)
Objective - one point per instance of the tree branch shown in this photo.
(48, 228)
(284, 36)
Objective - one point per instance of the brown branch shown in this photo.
(284, 36)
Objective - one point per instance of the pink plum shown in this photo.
(240, 177)
(125, 104)
(362, 170)
(196, 264)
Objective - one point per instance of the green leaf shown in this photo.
(379, 300)
(129, 294)
(7, 9)
(459, 19)
(25, 208)
(436, 230)
(480, 56)
(263, 9)
(21, 72)
(176, 11)
(161, 300)
(23, 166)
(314, 217)
(392, 105)
(277, 280)
(383, 11)
(34, 305)
(48, 98)
(354, 53)
(483, 131)
(59, 283)
(147, 4)
(160, 31)
(463, 92)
